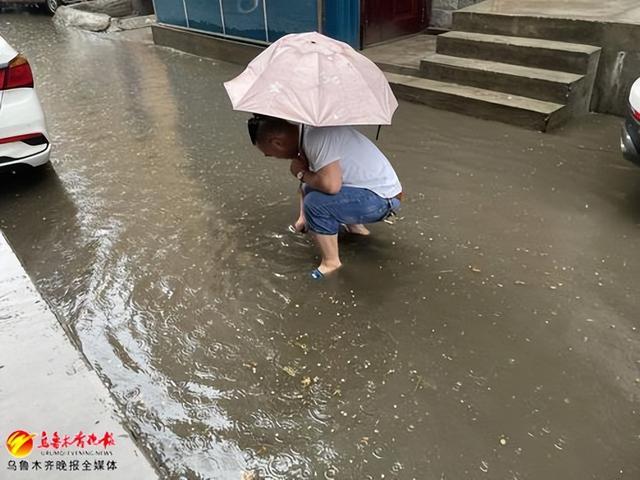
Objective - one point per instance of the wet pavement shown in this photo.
(42, 378)
(490, 333)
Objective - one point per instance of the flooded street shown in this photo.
(490, 333)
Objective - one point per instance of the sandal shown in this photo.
(295, 231)
(317, 274)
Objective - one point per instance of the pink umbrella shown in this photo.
(314, 80)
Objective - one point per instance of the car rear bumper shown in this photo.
(21, 114)
(35, 160)
(630, 140)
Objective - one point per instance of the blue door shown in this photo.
(342, 21)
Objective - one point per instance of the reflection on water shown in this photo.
(159, 235)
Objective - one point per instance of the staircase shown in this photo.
(530, 82)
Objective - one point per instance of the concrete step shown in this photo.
(478, 102)
(399, 69)
(541, 84)
(532, 26)
(530, 52)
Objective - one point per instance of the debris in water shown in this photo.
(251, 366)
(290, 371)
(304, 347)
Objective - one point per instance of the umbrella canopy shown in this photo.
(312, 79)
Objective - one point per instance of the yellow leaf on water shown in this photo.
(290, 371)
(249, 475)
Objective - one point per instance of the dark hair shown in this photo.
(262, 126)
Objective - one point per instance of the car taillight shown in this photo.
(635, 113)
(29, 138)
(16, 75)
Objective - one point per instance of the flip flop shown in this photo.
(317, 274)
(292, 229)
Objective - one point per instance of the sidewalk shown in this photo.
(133, 29)
(47, 387)
(623, 11)
(403, 55)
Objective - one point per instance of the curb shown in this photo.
(48, 390)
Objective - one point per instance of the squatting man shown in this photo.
(345, 180)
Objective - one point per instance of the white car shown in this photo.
(630, 138)
(23, 133)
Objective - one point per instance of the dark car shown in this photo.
(49, 5)
(630, 138)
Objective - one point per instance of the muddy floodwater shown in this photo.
(491, 333)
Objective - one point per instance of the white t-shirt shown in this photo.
(363, 164)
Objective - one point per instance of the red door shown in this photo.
(386, 19)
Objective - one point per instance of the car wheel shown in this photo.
(51, 6)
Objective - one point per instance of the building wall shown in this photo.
(442, 11)
(254, 20)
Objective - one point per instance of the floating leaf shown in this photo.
(290, 371)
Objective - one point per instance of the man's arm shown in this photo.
(328, 179)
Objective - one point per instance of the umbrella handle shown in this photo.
(378, 132)
(301, 145)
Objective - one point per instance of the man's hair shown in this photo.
(261, 127)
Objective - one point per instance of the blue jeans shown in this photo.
(324, 213)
